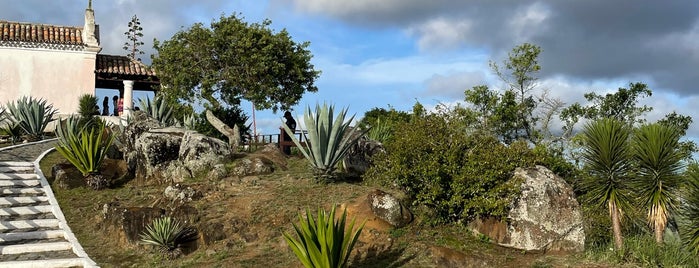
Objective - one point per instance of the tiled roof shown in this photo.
(40, 33)
(122, 65)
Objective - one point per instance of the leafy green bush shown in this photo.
(32, 115)
(457, 175)
(382, 122)
(329, 141)
(168, 235)
(381, 131)
(85, 147)
(323, 242)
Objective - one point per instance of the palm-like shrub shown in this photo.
(159, 110)
(85, 147)
(323, 242)
(689, 222)
(606, 155)
(328, 140)
(87, 109)
(168, 235)
(32, 115)
(659, 160)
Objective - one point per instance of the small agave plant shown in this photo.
(168, 236)
(159, 110)
(32, 115)
(329, 139)
(85, 147)
(322, 240)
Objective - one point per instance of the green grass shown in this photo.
(641, 250)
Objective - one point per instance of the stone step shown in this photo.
(22, 200)
(16, 164)
(6, 226)
(20, 183)
(28, 210)
(17, 169)
(35, 247)
(51, 263)
(35, 235)
(18, 176)
(21, 191)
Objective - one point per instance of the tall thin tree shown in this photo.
(133, 37)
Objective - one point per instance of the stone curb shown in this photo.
(27, 144)
(77, 248)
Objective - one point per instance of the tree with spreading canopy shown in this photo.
(232, 60)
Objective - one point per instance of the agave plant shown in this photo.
(84, 147)
(159, 110)
(329, 140)
(10, 127)
(32, 115)
(168, 235)
(190, 121)
(323, 242)
(659, 160)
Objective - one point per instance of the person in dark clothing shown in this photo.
(105, 106)
(115, 101)
(291, 123)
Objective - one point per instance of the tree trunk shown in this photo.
(615, 214)
(659, 231)
(232, 134)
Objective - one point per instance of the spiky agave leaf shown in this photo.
(168, 234)
(159, 110)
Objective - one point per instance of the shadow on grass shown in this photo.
(386, 257)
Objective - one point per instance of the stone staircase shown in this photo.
(33, 231)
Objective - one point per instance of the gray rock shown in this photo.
(389, 208)
(546, 216)
(199, 153)
(154, 152)
(358, 158)
(218, 172)
(181, 193)
(253, 165)
(129, 222)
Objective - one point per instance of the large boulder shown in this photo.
(171, 155)
(546, 216)
(388, 208)
(129, 222)
(358, 159)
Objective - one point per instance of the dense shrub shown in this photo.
(457, 174)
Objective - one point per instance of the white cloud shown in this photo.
(453, 85)
(528, 21)
(441, 33)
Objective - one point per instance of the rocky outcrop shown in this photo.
(545, 217)
(358, 158)
(171, 155)
(389, 208)
(181, 193)
(264, 161)
(129, 223)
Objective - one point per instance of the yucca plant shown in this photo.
(606, 154)
(689, 220)
(85, 147)
(323, 242)
(87, 109)
(32, 115)
(159, 110)
(168, 235)
(329, 140)
(659, 162)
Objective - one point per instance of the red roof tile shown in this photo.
(110, 64)
(40, 33)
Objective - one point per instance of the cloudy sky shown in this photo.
(376, 53)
